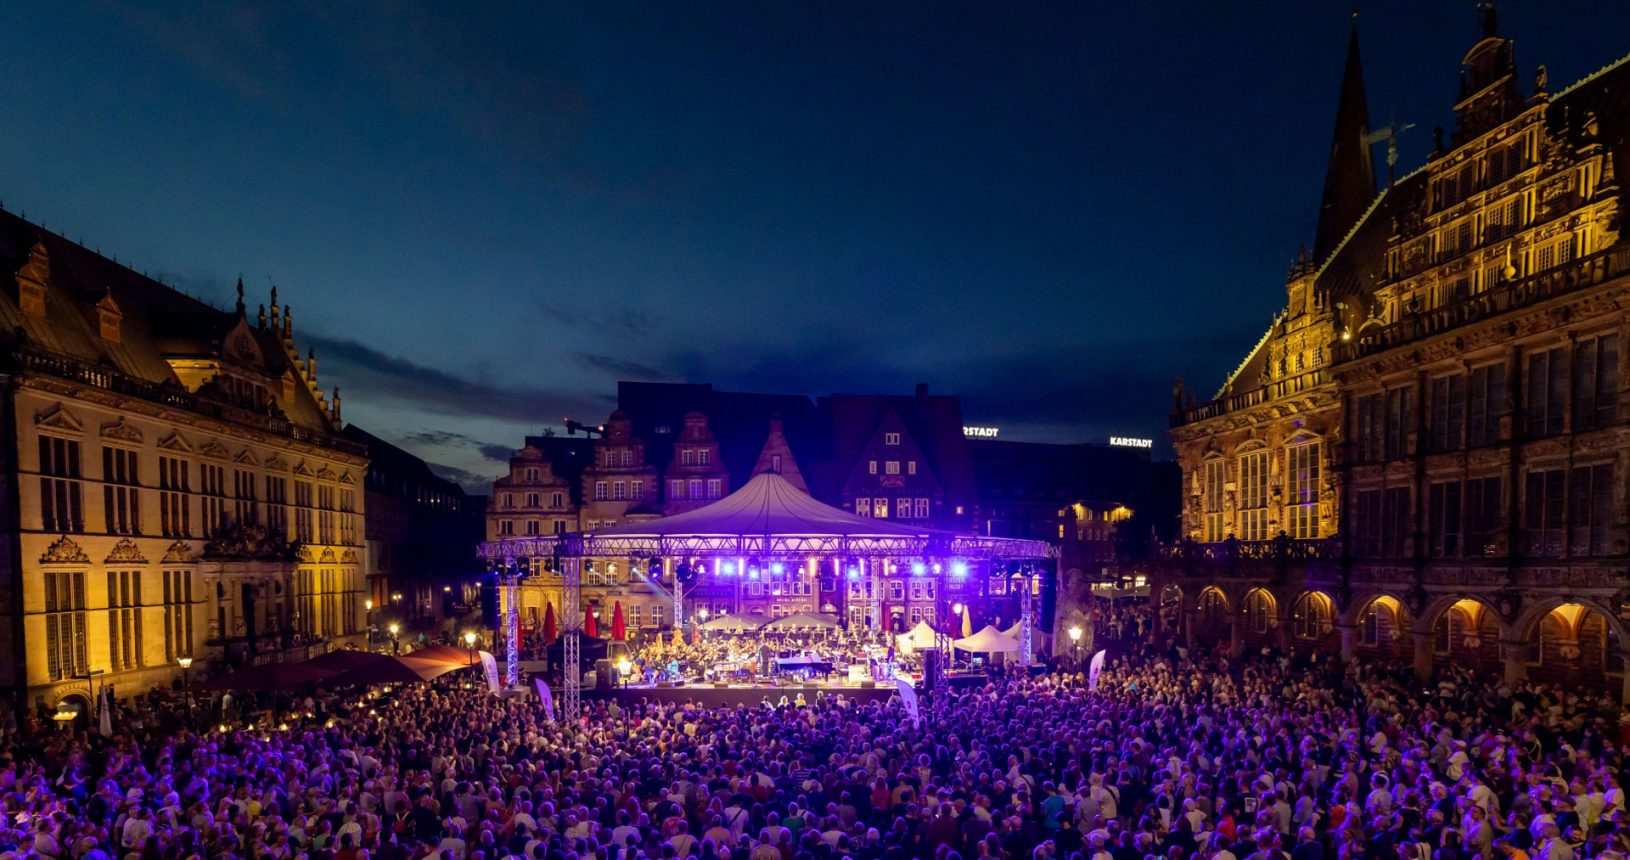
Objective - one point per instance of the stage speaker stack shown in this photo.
(602, 674)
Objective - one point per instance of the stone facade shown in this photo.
(180, 487)
(1424, 459)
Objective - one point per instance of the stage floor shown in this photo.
(711, 696)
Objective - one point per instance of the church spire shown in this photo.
(1349, 178)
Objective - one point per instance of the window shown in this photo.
(557, 499)
(124, 619)
(277, 498)
(687, 457)
(863, 506)
(532, 527)
(676, 491)
(1259, 614)
(175, 498)
(1366, 523)
(704, 457)
(212, 480)
(695, 488)
(1487, 402)
(634, 615)
(506, 527)
(619, 490)
(1482, 516)
(508, 501)
(1595, 382)
(1213, 496)
(1368, 432)
(892, 467)
(1590, 509)
(775, 463)
(1547, 391)
(656, 616)
(891, 438)
(1443, 524)
(65, 625)
(636, 489)
(1542, 513)
(1448, 412)
(871, 467)
(1396, 525)
(325, 514)
(534, 499)
(1302, 490)
(880, 508)
(120, 497)
(302, 512)
(602, 491)
(715, 488)
(531, 474)
(902, 508)
(1400, 420)
(246, 507)
(911, 467)
(348, 516)
(897, 590)
(922, 509)
(60, 506)
(1253, 496)
(177, 615)
(560, 527)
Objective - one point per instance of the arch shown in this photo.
(1261, 611)
(1312, 616)
(1574, 643)
(1212, 618)
(1383, 627)
(1466, 631)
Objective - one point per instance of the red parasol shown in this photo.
(551, 628)
(619, 631)
(588, 622)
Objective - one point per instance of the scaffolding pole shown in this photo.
(571, 668)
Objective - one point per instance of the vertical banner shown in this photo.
(1094, 668)
(545, 697)
(104, 722)
(908, 697)
(489, 664)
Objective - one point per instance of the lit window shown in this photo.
(715, 488)
(619, 490)
(922, 509)
(871, 467)
(602, 491)
(891, 438)
(892, 467)
(636, 489)
(880, 508)
(911, 467)
(863, 507)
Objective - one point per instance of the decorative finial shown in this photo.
(240, 296)
(260, 318)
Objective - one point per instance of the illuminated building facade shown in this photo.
(180, 485)
(1424, 457)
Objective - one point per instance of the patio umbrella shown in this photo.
(619, 630)
(967, 622)
(269, 676)
(589, 628)
(551, 628)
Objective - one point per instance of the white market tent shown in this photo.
(988, 640)
(921, 636)
(1017, 630)
(804, 621)
(741, 623)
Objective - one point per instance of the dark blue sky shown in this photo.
(484, 215)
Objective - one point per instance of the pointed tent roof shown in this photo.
(920, 636)
(988, 640)
(1349, 177)
(767, 505)
(768, 516)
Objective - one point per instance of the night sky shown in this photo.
(483, 216)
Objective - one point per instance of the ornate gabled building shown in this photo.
(1424, 457)
(696, 473)
(180, 488)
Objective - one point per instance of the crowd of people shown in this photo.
(1169, 758)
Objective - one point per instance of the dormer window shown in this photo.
(891, 438)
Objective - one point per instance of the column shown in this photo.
(1514, 664)
(1349, 640)
(1422, 653)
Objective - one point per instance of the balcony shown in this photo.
(1287, 387)
(1558, 281)
(1281, 548)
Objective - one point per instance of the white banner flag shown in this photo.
(104, 720)
(489, 664)
(908, 697)
(1094, 668)
(545, 697)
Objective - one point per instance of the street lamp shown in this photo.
(1075, 642)
(469, 642)
(623, 668)
(396, 644)
(186, 685)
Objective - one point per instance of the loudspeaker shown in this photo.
(931, 667)
(602, 674)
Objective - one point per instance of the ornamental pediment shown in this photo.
(214, 450)
(276, 462)
(57, 417)
(246, 457)
(175, 442)
(125, 552)
(302, 470)
(348, 557)
(325, 474)
(65, 551)
(178, 553)
(347, 479)
(122, 431)
(328, 556)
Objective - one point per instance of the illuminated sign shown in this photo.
(980, 432)
(1130, 442)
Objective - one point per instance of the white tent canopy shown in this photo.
(1017, 630)
(802, 621)
(921, 636)
(988, 640)
(736, 623)
(767, 517)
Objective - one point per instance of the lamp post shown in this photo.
(396, 644)
(1075, 643)
(623, 668)
(469, 642)
(368, 618)
(186, 685)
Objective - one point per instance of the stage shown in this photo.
(709, 695)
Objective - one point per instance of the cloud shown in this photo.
(382, 376)
(619, 368)
(623, 320)
(448, 439)
(496, 453)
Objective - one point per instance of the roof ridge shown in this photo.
(1591, 77)
(1248, 356)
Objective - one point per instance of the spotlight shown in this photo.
(752, 573)
(959, 568)
(728, 568)
(918, 568)
(854, 572)
(776, 568)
